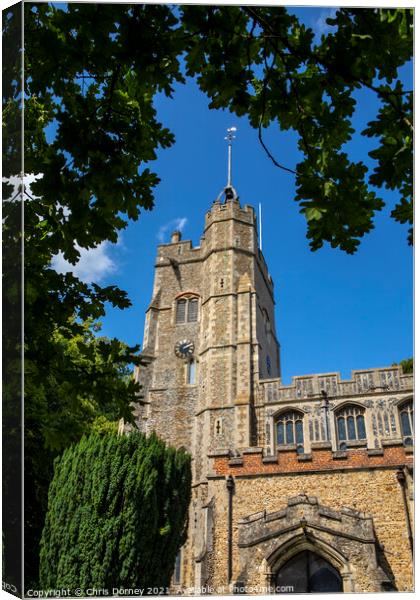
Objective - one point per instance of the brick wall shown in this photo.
(252, 462)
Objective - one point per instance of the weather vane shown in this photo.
(229, 191)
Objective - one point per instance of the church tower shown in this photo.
(209, 334)
(304, 487)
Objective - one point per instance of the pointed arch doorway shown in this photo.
(307, 572)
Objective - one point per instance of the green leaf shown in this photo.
(313, 214)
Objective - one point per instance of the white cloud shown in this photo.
(94, 264)
(175, 224)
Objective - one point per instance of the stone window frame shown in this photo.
(344, 444)
(303, 417)
(187, 296)
(401, 406)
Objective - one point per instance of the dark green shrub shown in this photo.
(117, 511)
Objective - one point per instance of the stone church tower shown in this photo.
(311, 478)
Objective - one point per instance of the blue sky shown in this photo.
(334, 312)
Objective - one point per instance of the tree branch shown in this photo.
(113, 83)
(381, 93)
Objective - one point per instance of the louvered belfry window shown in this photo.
(187, 310)
(181, 310)
(192, 310)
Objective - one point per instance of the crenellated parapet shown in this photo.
(362, 382)
(178, 252)
(221, 211)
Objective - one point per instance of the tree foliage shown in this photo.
(96, 69)
(407, 365)
(88, 376)
(117, 512)
(85, 386)
(264, 63)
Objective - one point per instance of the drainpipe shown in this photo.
(402, 481)
(230, 484)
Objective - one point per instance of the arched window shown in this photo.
(350, 425)
(407, 422)
(289, 428)
(187, 310)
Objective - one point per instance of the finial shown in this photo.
(229, 190)
(230, 137)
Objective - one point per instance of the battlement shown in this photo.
(178, 252)
(230, 210)
(321, 458)
(362, 382)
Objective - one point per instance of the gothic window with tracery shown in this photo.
(289, 426)
(187, 310)
(350, 425)
(407, 422)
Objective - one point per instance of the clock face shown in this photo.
(184, 348)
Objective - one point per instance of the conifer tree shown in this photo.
(116, 513)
